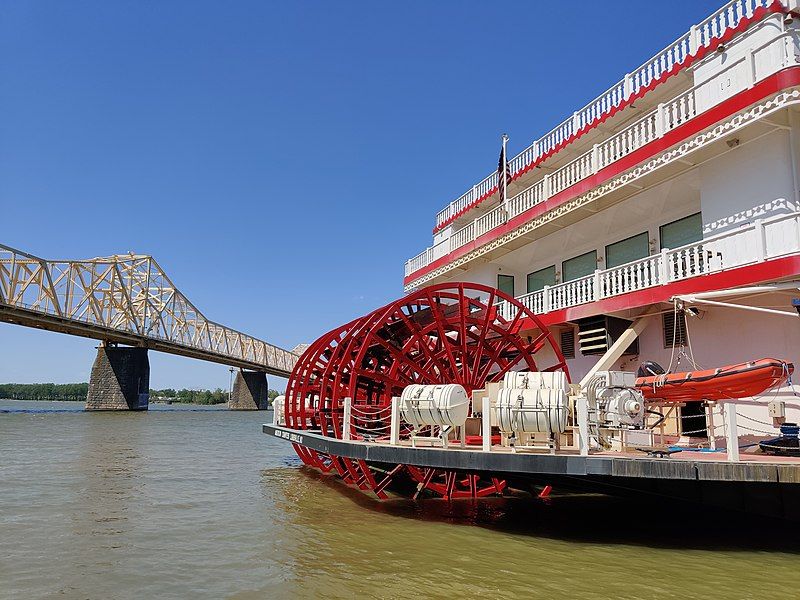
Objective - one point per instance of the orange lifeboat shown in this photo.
(725, 383)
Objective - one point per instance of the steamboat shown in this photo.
(614, 309)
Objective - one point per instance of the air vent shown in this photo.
(596, 334)
(674, 329)
(568, 343)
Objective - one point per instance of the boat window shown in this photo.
(580, 266)
(681, 232)
(505, 283)
(628, 250)
(538, 279)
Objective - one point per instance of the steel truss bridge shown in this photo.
(125, 299)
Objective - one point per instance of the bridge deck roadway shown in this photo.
(49, 322)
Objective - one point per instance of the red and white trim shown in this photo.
(762, 272)
(619, 173)
(774, 7)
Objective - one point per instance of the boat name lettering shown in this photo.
(292, 437)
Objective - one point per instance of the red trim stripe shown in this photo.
(769, 270)
(758, 15)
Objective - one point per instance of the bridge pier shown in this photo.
(120, 379)
(249, 391)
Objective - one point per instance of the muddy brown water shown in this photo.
(191, 502)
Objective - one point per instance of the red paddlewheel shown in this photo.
(302, 408)
(452, 485)
(447, 333)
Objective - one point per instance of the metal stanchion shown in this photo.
(394, 430)
(486, 424)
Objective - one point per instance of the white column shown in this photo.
(486, 424)
(660, 120)
(348, 409)
(712, 438)
(731, 432)
(394, 428)
(596, 285)
(582, 408)
(750, 65)
(627, 86)
(761, 237)
(663, 267)
(694, 40)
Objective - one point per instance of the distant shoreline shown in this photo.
(84, 400)
(57, 392)
(77, 392)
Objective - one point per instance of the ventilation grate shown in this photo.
(674, 329)
(568, 343)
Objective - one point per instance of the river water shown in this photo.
(191, 502)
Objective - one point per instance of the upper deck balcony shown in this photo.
(691, 46)
(578, 150)
(756, 243)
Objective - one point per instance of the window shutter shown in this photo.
(674, 329)
(568, 343)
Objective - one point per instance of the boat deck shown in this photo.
(685, 465)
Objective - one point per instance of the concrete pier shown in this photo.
(120, 379)
(249, 391)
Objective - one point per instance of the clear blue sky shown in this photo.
(281, 160)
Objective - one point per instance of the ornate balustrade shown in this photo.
(699, 36)
(757, 64)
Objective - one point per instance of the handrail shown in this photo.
(699, 36)
(651, 126)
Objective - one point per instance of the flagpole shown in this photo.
(505, 171)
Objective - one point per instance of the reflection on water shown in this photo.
(591, 518)
(176, 503)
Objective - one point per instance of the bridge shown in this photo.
(128, 299)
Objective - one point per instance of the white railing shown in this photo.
(527, 198)
(570, 293)
(570, 174)
(750, 244)
(420, 260)
(699, 36)
(630, 277)
(626, 141)
(494, 218)
(462, 236)
(744, 72)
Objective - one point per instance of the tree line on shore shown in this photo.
(44, 391)
(78, 391)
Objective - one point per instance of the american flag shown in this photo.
(503, 172)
